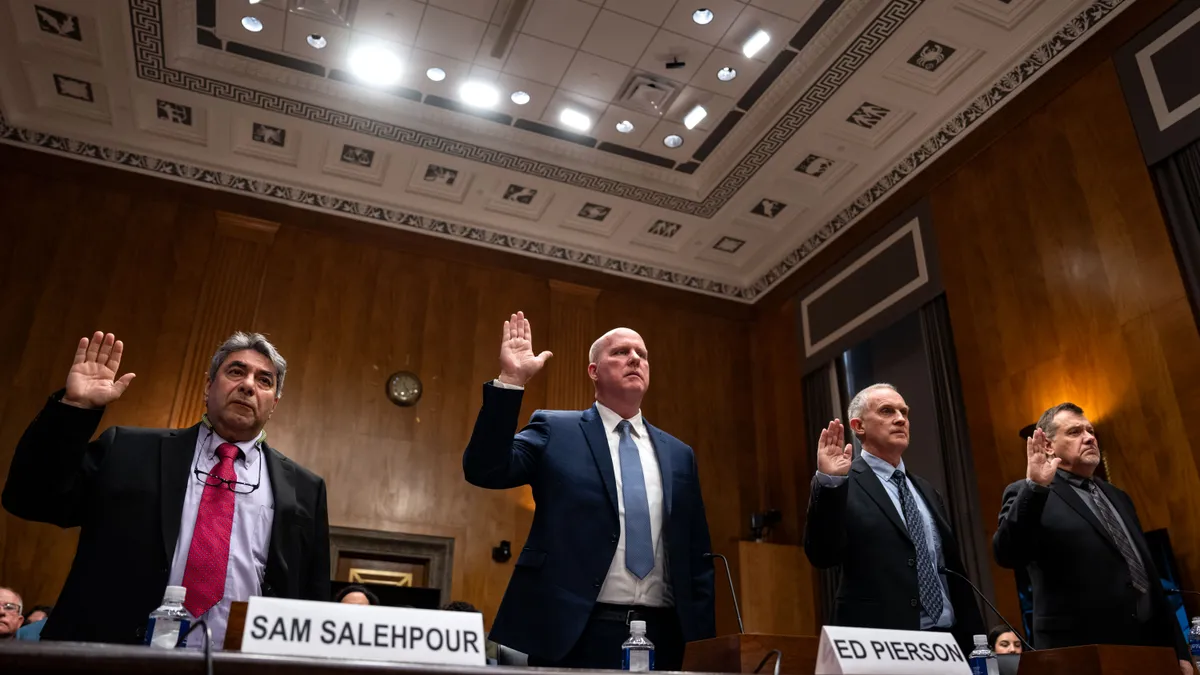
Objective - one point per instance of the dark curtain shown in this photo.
(1177, 179)
(957, 461)
(822, 399)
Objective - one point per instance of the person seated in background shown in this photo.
(10, 613)
(35, 620)
(497, 654)
(356, 595)
(1001, 640)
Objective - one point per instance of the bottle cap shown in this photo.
(175, 594)
(637, 626)
(980, 640)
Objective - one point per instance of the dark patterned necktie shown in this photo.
(1109, 518)
(928, 581)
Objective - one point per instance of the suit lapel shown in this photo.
(593, 431)
(1067, 493)
(662, 449)
(869, 482)
(1135, 532)
(176, 452)
(283, 489)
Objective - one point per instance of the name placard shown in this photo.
(404, 635)
(869, 651)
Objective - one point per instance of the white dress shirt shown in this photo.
(249, 541)
(621, 587)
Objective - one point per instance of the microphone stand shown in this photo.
(983, 597)
(732, 592)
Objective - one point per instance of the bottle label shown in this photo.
(637, 660)
(167, 634)
(978, 665)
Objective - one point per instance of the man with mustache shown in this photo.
(886, 528)
(619, 532)
(1094, 581)
(211, 507)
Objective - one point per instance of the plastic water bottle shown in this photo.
(983, 660)
(637, 652)
(169, 621)
(1194, 637)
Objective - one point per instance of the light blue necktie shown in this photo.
(639, 547)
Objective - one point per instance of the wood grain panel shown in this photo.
(1062, 286)
(776, 589)
(347, 307)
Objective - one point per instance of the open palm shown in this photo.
(1041, 465)
(92, 381)
(834, 458)
(518, 363)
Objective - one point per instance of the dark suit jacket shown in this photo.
(125, 492)
(564, 456)
(856, 526)
(1082, 591)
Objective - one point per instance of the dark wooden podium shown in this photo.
(1100, 660)
(743, 652)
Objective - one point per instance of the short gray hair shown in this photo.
(1046, 422)
(859, 401)
(241, 341)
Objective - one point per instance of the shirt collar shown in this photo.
(248, 458)
(881, 467)
(610, 419)
(1074, 479)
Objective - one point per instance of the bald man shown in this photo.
(619, 532)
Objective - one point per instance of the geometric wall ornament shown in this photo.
(353, 160)
(58, 23)
(1004, 13)
(768, 208)
(437, 179)
(819, 170)
(519, 199)
(868, 115)
(872, 121)
(174, 113)
(663, 234)
(172, 118)
(814, 165)
(269, 135)
(266, 140)
(933, 61)
(728, 244)
(73, 88)
(595, 218)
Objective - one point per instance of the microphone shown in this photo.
(1180, 591)
(732, 592)
(1027, 641)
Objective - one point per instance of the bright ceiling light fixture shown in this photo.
(755, 43)
(575, 119)
(436, 74)
(726, 74)
(479, 94)
(673, 141)
(317, 41)
(624, 126)
(375, 65)
(520, 97)
(255, 2)
(702, 16)
(694, 116)
(251, 24)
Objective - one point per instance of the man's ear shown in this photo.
(856, 425)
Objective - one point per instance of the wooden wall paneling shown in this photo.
(1062, 286)
(229, 295)
(572, 330)
(776, 585)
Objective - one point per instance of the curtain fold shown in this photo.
(821, 400)
(962, 499)
(1177, 180)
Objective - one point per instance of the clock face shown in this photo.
(404, 388)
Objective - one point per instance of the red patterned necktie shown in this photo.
(208, 556)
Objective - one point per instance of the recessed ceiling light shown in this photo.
(624, 126)
(575, 119)
(479, 94)
(694, 116)
(702, 16)
(755, 43)
(317, 41)
(673, 141)
(251, 24)
(255, 2)
(375, 65)
(726, 74)
(520, 97)
(436, 74)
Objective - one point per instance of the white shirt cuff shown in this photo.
(825, 480)
(504, 385)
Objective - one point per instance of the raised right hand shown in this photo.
(1041, 465)
(518, 364)
(92, 381)
(832, 458)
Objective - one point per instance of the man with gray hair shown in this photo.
(886, 528)
(211, 507)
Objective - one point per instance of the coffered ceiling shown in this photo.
(378, 110)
